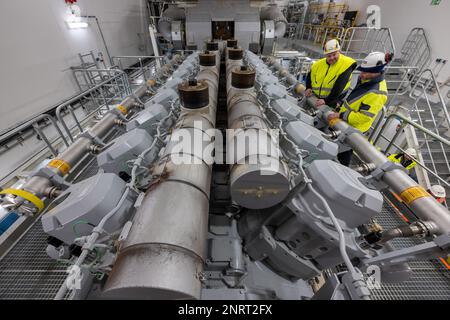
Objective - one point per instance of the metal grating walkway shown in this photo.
(430, 280)
(26, 272)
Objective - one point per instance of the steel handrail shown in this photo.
(81, 95)
(29, 123)
(415, 125)
(140, 60)
(353, 30)
(434, 80)
(38, 130)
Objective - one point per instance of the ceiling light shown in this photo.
(77, 24)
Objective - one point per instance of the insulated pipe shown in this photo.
(173, 13)
(258, 179)
(165, 250)
(272, 12)
(282, 72)
(166, 70)
(37, 186)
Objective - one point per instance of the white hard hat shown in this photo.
(331, 46)
(411, 152)
(437, 191)
(375, 62)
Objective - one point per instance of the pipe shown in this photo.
(38, 185)
(163, 255)
(272, 12)
(418, 228)
(292, 81)
(415, 196)
(172, 13)
(258, 179)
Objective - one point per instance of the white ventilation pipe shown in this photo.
(171, 14)
(272, 12)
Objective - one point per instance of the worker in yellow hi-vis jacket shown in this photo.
(366, 100)
(405, 159)
(330, 77)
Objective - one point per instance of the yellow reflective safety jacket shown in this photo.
(324, 76)
(399, 158)
(364, 103)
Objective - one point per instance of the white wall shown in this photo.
(37, 49)
(401, 16)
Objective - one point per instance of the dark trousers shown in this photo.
(345, 157)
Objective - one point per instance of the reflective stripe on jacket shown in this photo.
(364, 103)
(323, 75)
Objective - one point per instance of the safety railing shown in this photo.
(358, 42)
(42, 135)
(433, 116)
(317, 34)
(94, 97)
(102, 95)
(416, 50)
(138, 66)
(425, 86)
(392, 142)
(429, 120)
(93, 77)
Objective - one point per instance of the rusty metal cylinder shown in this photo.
(231, 43)
(212, 46)
(243, 77)
(194, 94)
(207, 59)
(235, 53)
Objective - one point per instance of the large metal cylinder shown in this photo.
(164, 253)
(258, 178)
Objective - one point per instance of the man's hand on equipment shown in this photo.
(332, 116)
(308, 93)
(320, 102)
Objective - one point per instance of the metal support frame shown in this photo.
(137, 66)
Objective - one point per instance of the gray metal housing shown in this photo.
(84, 204)
(125, 148)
